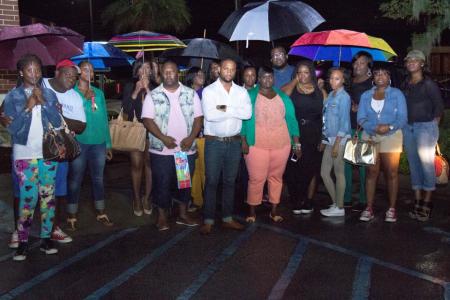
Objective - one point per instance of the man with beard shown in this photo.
(225, 105)
(282, 71)
(172, 114)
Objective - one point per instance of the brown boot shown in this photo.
(233, 225)
(206, 229)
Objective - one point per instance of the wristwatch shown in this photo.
(391, 127)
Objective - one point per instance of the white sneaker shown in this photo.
(333, 212)
(332, 206)
(391, 216)
(14, 243)
(60, 236)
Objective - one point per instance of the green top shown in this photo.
(97, 126)
(248, 126)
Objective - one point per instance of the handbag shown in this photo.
(127, 135)
(359, 152)
(59, 144)
(441, 167)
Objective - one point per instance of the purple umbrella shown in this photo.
(50, 43)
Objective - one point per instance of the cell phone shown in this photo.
(294, 157)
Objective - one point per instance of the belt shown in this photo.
(306, 121)
(226, 139)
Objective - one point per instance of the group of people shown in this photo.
(283, 125)
(68, 100)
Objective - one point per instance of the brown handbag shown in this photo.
(127, 135)
(59, 144)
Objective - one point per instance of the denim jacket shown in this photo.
(14, 107)
(336, 115)
(393, 113)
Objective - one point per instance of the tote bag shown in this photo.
(127, 135)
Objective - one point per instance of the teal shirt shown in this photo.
(97, 126)
(248, 126)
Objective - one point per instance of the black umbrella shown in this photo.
(270, 20)
(202, 48)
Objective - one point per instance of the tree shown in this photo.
(434, 14)
(151, 15)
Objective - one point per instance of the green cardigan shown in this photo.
(248, 126)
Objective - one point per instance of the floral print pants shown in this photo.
(36, 183)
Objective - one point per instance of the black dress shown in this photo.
(132, 107)
(308, 111)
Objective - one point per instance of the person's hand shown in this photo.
(37, 92)
(298, 153)
(382, 129)
(321, 147)
(5, 120)
(169, 142)
(89, 94)
(109, 154)
(145, 82)
(355, 107)
(335, 150)
(245, 147)
(31, 102)
(186, 143)
(222, 108)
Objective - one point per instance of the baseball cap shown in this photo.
(67, 63)
(415, 54)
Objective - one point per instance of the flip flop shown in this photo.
(104, 220)
(250, 219)
(276, 219)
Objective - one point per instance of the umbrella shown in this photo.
(145, 41)
(50, 43)
(103, 56)
(204, 49)
(340, 45)
(270, 20)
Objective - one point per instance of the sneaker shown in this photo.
(21, 253)
(358, 207)
(297, 209)
(391, 215)
(367, 215)
(333, 212)
(306, 207)
(14, 242)
(60, 236)
(48, 246)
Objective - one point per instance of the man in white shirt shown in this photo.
(225, 104)
(62, 84)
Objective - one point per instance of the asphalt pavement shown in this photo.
(304, 257)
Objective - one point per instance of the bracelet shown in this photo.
(297, 146)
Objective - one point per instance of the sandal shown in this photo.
(276, 219)
(71, 224)
(250, 219)
(146, 206)
(104, 220)
(424, 214)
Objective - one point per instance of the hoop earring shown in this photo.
(369, 73)
(390, 82)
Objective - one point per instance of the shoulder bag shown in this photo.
(127, 135)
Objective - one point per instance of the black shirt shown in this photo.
(132, 107)
(423, 99)
(355, 92)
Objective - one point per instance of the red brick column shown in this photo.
(9, 16)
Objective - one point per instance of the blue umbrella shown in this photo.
(103, 56)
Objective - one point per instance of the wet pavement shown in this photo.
(304, 257)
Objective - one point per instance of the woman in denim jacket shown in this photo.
(382, 113)
(336, 129)
(31, 109)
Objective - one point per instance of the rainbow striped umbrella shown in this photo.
(145, 41)
(340, 45)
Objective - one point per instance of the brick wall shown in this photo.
(9, 16)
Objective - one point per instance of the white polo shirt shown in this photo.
(228, 123)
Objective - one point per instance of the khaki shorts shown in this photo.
(387, 143)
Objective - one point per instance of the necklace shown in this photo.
(305, 89)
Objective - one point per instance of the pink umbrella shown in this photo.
(50, 43)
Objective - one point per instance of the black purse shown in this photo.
(59, 144)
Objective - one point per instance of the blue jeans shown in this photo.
(165, 180)
(93, 157)
(220, 158)
(419, 140)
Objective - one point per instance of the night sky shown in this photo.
(210, 14)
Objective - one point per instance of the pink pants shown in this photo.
(262, 165)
